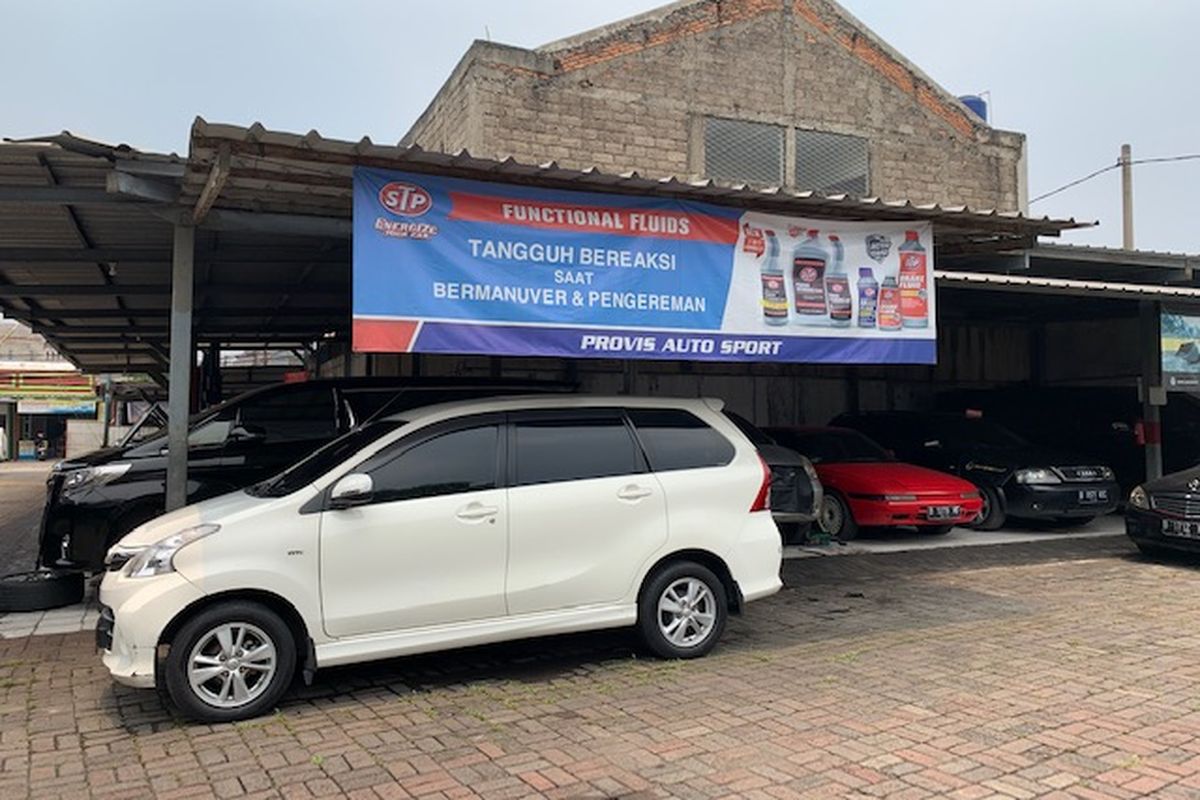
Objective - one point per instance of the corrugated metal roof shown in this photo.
(275, 171)
(1065, 286)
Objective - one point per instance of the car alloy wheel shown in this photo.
(687, 612)
(232, 665)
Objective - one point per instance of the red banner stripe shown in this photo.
(647, 223)
(383, 335)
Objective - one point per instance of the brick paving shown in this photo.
(1057, 669)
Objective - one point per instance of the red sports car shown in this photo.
(865, 487)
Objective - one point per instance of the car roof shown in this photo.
(810, 429)
(535, 402)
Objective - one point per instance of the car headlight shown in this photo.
(1139, 499)
(969, 495)
(97, 476)
(159, 558)
(1037, 476)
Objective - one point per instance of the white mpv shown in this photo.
(457, 524)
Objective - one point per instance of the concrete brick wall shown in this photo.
(634, 97)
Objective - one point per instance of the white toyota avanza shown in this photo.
(457, 524)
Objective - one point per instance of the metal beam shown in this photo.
(159, 255)
(180, 373)
(139, 188)
(217, 176)
(59, 196)
(320, 312)
(155, 290)
(222, 219)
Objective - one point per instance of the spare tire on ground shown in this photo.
(40, 590)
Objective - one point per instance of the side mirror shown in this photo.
(351, 490)
(247, 433)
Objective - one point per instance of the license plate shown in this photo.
(1184, 530)
(1093, 496)
(943, 512)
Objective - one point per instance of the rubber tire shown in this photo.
(996, 516)
(850, 529)
(936, 530)
(174, 666)
(39, 590)
(658, 582)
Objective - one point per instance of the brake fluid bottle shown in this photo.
(914, 282)
(868, 297)
(889, 305)
(809, 261)
(837, 287)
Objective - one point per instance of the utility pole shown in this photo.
(1153, 395)
(1127, 196)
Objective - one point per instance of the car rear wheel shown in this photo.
(836, 519)
(682, 611)
(992, 516)
(229, 662)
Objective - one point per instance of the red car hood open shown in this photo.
(890, 477)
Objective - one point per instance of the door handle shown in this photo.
(634, 492)
(476, 511)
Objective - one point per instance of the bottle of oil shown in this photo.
(774, 283)
(837, 287)
(809, 262)
(914, 282)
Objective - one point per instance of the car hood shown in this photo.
(1175, 482)
(1017, 456)
(224, 510)
(890, 477)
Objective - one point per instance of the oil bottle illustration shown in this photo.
(774, 283)
(809, 262)
(889, 305)
(868, 297)
(914, 282)
(837, 287)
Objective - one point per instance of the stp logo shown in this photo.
(405, 199)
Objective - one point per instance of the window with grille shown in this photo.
(832, 163)
(743, 152)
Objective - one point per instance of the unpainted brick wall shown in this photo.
(635, 99)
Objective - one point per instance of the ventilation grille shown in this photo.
(743, 152)
(832, 163)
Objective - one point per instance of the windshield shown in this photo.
(323, 460)
(834, 446)
(953, 429)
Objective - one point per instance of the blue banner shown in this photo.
(452, 266)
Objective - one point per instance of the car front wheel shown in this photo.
(992, 516)
(682, 611)
(836, 518)
(229, 662)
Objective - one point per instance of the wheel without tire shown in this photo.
(993, 515)
(40, 590)
(937, 530)
(682, 611)
(836, 519)
(230, 661)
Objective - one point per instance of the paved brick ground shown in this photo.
(1061, 669)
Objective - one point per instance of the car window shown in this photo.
(362, 404)
(455, 462)
(834, 446)
(293, 415)
(323, 460)
(573, 448)
(679, 440)
(756, 436)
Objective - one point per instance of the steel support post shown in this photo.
(180, 375)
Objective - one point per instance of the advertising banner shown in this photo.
(56, 406)
(443, 265)
(1180, 351)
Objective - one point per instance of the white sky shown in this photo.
(1079, 77)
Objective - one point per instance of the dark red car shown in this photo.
(866, 487)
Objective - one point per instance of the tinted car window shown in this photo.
(756, 436)
(323, 460)
(833, 447)
(451, 463)
(293, 415)
(573, 448)
(679, 440)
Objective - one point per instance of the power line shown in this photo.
(1110, 167)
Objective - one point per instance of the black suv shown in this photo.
(94, 500)
(1015, 477)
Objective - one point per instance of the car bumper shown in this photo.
(902, 513)
(134, 614)
(1146, 528)
(1061, 500)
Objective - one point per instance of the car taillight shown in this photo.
(762, 502)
